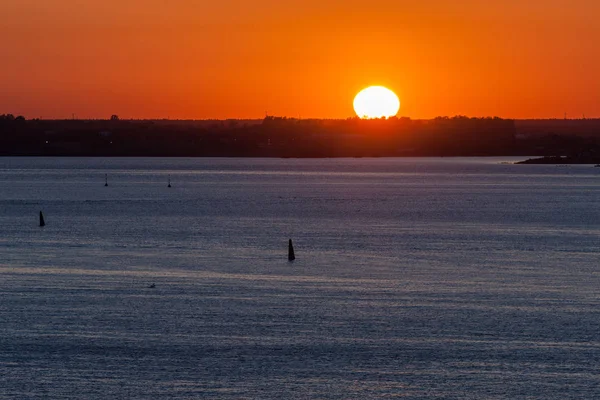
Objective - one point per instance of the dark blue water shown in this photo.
(417, 278)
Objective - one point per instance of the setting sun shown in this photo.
(376, 102)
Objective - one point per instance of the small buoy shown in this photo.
(291, 255)
(42, 222)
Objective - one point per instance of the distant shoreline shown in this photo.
(563, 160)
(280, 137)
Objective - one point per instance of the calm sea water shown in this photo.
(415, 278)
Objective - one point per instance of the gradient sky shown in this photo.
(298, 58)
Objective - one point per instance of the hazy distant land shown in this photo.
(576, 141)
(584, 158)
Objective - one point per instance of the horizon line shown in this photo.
(75, 118)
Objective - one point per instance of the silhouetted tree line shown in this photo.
(279, 137)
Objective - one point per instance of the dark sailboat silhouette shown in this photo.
(105, 179)
(42, 222)
(291, 255)
(169, 185)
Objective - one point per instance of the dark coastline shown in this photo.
(578, 141)
(558, 160)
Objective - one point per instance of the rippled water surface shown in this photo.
(417, 278)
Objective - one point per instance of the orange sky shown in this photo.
(298, 58)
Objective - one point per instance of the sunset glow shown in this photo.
(376, 102)
(240, 59)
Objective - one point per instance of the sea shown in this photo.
(414, 278)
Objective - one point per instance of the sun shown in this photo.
(376, 102)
